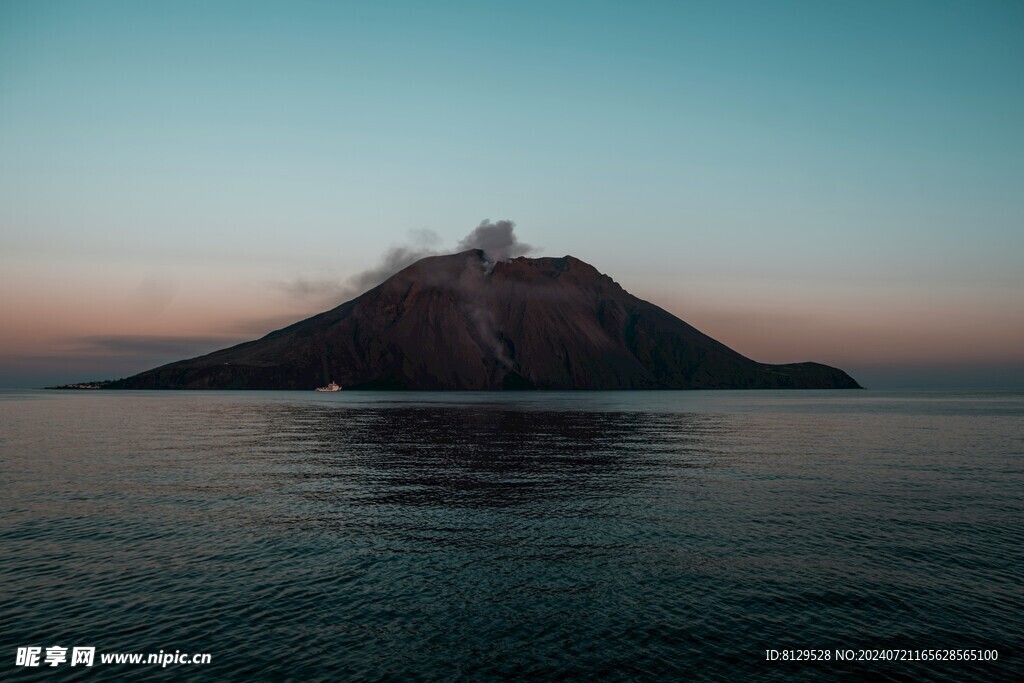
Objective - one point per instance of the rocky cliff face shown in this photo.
(459, 322)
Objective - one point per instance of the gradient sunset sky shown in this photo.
(832, 181)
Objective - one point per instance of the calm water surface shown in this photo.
(400, 536)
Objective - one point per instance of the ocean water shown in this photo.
(553, 536)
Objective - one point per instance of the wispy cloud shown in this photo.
(323, 292)
(498, 241)
(253, 328)
(90, 358)
(147, 346)
(331, 292)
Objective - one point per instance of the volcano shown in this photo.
(463, 322)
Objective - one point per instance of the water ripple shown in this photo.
(559, 536)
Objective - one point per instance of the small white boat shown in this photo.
(330, 387)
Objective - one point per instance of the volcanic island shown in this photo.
(465, 322)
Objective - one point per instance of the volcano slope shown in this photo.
(462, 322)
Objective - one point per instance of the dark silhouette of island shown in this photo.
(463, 322)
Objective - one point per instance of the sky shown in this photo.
(837, 182)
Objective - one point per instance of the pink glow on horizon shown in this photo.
(53, 320)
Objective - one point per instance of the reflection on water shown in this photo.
(480, 457)
(580, 535)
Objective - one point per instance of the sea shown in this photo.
(634, 536)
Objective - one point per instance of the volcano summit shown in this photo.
(464, 322)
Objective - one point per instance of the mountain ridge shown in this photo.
(464, 322)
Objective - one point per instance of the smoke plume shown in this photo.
(395, 259)
(497, 240)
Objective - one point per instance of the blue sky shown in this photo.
(805, 181)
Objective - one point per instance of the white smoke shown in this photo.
(396, 258)
(475, 306)
(497, 240)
